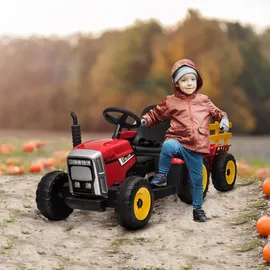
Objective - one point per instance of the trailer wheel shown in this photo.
(224, 172)
(49, 196)
(185, 194)
(134, 203)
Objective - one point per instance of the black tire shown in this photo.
(224, 172)
(134, 189)
(185, 194)
(49, 198)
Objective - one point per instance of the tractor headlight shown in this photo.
(79, 162)
(77, 184)
(88, 185)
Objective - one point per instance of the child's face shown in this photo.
(188, 83)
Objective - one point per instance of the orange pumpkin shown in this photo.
(29, 147)
(50, 162)
(261, 173)
(266, 253)
(15, 170)
(36, 168)
(12, 161)
(263, 225)
(266, 187)
(5, 149)
(40, 144)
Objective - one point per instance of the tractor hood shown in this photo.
(111, 149)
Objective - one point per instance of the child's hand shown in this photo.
(143, 123)
(224, 124)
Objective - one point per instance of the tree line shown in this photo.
(44, 78)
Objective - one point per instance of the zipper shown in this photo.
(190, 115)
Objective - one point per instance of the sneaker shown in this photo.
(199, 215)
(159, 180)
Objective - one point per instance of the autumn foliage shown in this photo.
(131, 68)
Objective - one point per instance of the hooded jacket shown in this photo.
(189, 114)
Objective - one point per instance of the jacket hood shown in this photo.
(189, 63)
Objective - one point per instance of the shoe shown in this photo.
(199, 215)
(159, 180)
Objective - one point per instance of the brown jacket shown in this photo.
(189, 114)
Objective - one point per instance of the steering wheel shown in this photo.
(121, 119)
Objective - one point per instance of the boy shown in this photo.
(188, 135)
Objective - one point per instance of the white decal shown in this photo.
(125, 159)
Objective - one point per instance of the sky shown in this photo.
(64, 17)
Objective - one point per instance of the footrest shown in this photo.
(83, 203)
(161, 192)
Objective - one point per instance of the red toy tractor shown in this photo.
(116, 172)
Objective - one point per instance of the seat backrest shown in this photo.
(154, 135)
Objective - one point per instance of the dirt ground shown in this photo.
(92, 240)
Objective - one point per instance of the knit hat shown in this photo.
(182, 71)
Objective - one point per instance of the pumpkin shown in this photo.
(36, 168)
(12, 161)
(263, 225)
(261, 173)
(29, 147)
(266, 253)
(5, 149)
(15, 170)
(40, 144)
(50, 162)
(266, 187)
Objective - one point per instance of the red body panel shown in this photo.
(112, 151)
(177, 161)
(116, 173)
(128, 134)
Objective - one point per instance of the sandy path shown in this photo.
(91, 240)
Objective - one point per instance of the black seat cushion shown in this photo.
(150, 139)
(144, 159)
(146, 150)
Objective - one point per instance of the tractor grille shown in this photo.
(87, 173)
(82, 179)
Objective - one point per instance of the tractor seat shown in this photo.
(149, 140)
(144, 159)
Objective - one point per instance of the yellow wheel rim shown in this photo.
(204, 177)
(230, 172)
(142, 203)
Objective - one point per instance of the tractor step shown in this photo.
(97, 204)
(161, 192)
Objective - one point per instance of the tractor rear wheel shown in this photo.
(49, 196)
(185, 194)
(224, 172)
(134, 203)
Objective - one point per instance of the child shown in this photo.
(188, 135)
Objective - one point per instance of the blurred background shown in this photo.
(81, 55)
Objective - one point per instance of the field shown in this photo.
(92, 240)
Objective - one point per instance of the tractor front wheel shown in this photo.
(49, 196)
(134, 203)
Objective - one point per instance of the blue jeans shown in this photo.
(194, 161)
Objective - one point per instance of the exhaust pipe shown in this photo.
(76, 130)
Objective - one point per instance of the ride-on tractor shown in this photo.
(116, 172)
